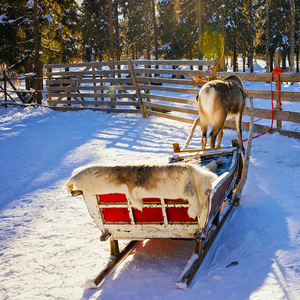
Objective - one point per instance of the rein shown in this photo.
(275, 71)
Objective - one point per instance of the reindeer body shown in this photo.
(220, 100)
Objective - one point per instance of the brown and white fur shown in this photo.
(171, 181)
(220, 100)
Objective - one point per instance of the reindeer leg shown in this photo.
(217, 130)
(220, 135)
(213, 137)
(196, 122)
(204, 129)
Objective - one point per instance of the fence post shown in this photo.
(112, 67)
(28, 76)
(49, 76)
(94, 77)
(5, 88)
(130, 65)
(278, 86)
(38, 86)
(145, 53)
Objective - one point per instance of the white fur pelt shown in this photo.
(172, 181)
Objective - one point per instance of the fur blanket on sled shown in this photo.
(172, 181)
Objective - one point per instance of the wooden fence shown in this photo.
(160, 88)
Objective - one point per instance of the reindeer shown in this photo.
(219, 100)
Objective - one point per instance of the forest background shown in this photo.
(33, 32)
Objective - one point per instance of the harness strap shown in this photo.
(275, 71)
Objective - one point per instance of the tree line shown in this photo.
(35, 31)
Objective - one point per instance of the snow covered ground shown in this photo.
(50, 246)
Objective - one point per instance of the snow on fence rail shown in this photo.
(160, 88)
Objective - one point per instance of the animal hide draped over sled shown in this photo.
(173, 181)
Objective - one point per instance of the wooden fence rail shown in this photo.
(160, 88)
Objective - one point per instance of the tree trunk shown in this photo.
(117, 31)
(234, 60)
(223, 64)
(200, 55)
(235, 65)
(284, 60)
(155, 30)
(267, 38)
(251, 36)
(292, 52)
(271, 62)
(155, 35)
(117, 36)
(111, 30)
(111, 40)
(38, 85)
(146, 28)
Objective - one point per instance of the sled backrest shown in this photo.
(114, 208)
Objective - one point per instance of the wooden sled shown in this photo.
(165, 217)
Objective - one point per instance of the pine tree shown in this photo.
(63, 28)
(236, 29)
(95, 29)
(188, 31)
(279, 29)
(16, 36)
(134, 25)
(168, 28)
(25, 21)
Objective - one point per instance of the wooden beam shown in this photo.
(86, 95)
(109, 110)
(100, 103)
(287, 116)
(171, 117)
(169, 89)
(87, 64)
(87, 73)
(169, 99)
(130, 65)
(174, 62)
(171, 108)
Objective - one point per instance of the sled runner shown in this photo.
(189, 198)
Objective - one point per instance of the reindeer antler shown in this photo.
(217, 61)
(197, 79)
